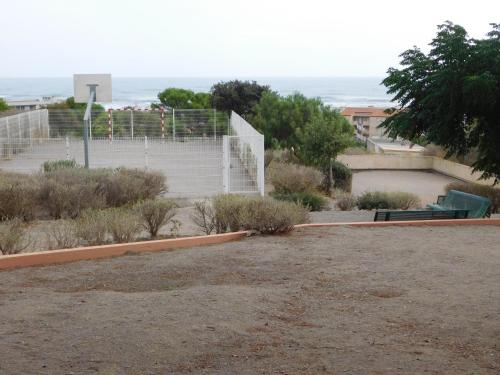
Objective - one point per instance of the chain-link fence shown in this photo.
(201, 152)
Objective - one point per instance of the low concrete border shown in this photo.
(43, 258)
(105, 251)
(412, 223)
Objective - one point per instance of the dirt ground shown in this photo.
(427, 185)
(333, 301)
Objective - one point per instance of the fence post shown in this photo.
(215, 123)
(226, 164)
(8, 128)
(146, 161)
(260, 165)
(40, 135)
(173, 124)
(67, 148)
(29, 128)
(132, 123)
(19, 126)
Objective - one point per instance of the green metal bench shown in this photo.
(390, 215)
(458, 200)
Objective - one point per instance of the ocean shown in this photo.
(141, 91)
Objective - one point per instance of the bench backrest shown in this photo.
(458, 200)
(388, 215)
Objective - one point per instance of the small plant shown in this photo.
(61, 235)
(204, 216)
(346, 202)
(156, 213)
(388, 200)
(12, 237)
(123, 224)
(293, 178)
(175, 228)
(91, 227)
(50, 166)
(313, 201)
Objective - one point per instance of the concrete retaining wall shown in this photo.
(413, 162)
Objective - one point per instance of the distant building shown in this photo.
(366, 120)
(31, 104)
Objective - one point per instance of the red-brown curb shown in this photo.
(105, 251)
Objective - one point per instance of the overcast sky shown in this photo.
(229, 38)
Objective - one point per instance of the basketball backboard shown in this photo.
(81, 84)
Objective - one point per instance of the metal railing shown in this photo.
(201, 152)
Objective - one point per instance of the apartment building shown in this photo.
(366, 120)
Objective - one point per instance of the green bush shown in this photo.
(388, 200)
(18, 195)
(486, 191)
(123, 224)
(91, 227)
(233, 212)
(12, 237)
(156, 213)
(50, 166)
(293, 178)
(313, 201)
(346, 202)
(342, 176)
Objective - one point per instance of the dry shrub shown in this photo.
(263, 214)
(269, 216)
(12, 237)
(17, 196)
(67, 192)
(268, 157)
(490, 192)
(293, 178)
(388, 200)
(127, 186)
(91, 227)
(204, 216)
(156, 213)
(228, 209)
(64, 196)
(61, 235)
(123, 224)
(346, 202)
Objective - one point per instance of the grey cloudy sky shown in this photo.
(224, 37)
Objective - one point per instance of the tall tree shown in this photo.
(323, 139)
(184, 99)
(238, 96)
(451, 96)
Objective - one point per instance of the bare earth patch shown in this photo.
(331, 300)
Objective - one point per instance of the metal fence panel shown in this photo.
(201, 152)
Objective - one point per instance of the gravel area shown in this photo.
(326, 300)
